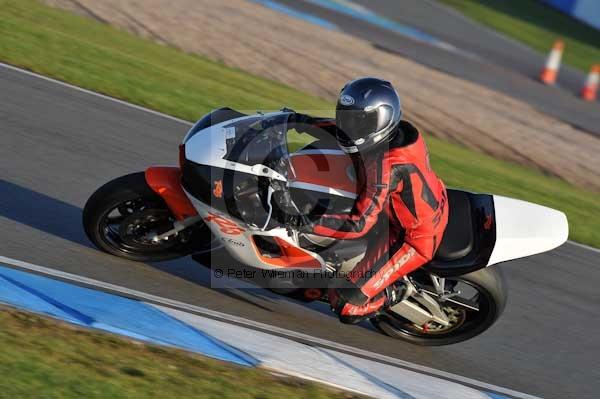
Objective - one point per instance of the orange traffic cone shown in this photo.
(588, 93)
(550, 71)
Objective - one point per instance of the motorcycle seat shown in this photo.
(458, 238)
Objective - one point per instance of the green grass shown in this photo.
(44, 358)
(537, 26)
(93, 55)
(460, 167)
(104, 59)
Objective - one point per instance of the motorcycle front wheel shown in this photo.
(123, 215)
(483, 289)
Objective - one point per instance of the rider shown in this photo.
(400, 197)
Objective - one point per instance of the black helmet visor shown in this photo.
(355, 125)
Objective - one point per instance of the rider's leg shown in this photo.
(384, 241)
(345, 297)
(352, 314)
(370, 284)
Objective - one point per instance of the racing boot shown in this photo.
(354, 314)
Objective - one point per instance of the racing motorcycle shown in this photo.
(238, 182)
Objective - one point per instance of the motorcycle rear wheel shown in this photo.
(492, 295)
(121, 217)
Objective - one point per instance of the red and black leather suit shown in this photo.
(399, 185)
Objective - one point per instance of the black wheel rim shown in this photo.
(129, 226)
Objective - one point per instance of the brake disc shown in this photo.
(139, 228)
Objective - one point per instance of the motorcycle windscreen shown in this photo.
(225, 164)
(259, 141)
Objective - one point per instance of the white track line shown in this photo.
(156, 113)
(93, 93)
(260, 326)
(583, 246)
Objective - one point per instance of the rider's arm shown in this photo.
(365, 212)
(319, 128)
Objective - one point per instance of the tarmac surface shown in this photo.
(57, 145)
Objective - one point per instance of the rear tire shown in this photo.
(492, 287)
(130, 194)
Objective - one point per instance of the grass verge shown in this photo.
(110, 61)
(537, 26)
(45, 358)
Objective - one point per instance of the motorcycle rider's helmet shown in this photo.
(367, 114)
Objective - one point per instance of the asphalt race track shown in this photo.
(449, 25)
(484, 57)
(57, 145)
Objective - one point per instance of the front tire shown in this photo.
(120, 216)
(490, 284)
